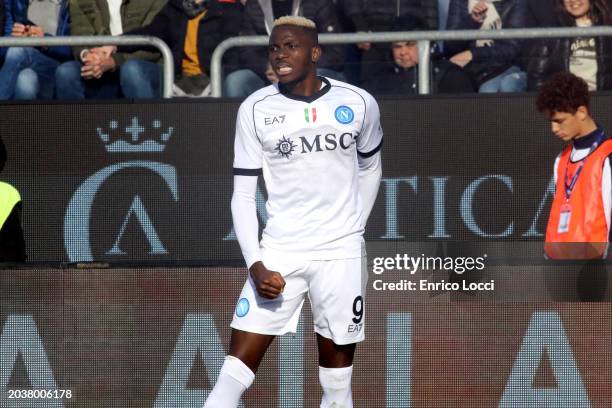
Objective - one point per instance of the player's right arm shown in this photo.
(269, 284)
(248, 162)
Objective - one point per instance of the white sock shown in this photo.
(336, 384)
(234, 379)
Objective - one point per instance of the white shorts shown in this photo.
(335, 288)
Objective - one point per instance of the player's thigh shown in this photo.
(277, 316)
(337, 297)
(249, 347)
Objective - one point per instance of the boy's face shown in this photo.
(405, 53)
(569, 126)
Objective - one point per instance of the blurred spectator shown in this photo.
(98, 75)
(540, 14)
(588, 58)
(443, 13)
(2, 19)
(192, 29)
(342, 8)
(28, 72)
(381, 15)
(399, 75)
(352, 54)
(494, 65)
(442, 20)
(12, 243)
(257, 20)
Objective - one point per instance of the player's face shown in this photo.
(405, 53)
(568, 126)
(292, 54)
(577, 8)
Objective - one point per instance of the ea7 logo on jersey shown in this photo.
(354, 328)
(285, 147)
(274, 120)
(330, 141)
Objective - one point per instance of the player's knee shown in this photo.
(234, 379)
(334, 355)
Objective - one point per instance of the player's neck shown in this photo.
(589, 127)
(306, 87)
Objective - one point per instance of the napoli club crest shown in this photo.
(344, 114)
(242, 308)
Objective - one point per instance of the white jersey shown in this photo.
(307, 150)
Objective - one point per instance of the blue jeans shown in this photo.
(134, 79)
(140, 79)
(72, 86)
(511, 80)
(242, 83)
(27, 74)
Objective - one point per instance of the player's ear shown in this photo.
(582, 112)
(315, 53)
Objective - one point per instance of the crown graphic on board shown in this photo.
(115, 141)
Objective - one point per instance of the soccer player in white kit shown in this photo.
(316, 141)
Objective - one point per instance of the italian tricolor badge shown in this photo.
(310, 114)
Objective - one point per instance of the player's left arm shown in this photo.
(370, 174)
(369, 144)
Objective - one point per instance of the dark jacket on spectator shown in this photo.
(322, 12)
(221, 21)
(16, 11)
(488, 61)
(540, 14)
(445, 77)
(380, 15)
(552, 55)
(512, 13)
(91, 17)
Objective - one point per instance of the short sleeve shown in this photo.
(248, 150)
(371, 138)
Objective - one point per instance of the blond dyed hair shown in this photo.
(297, 21)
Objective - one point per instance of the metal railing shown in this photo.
(423, 38)
(86, 41)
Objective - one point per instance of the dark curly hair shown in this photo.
(563, 92)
